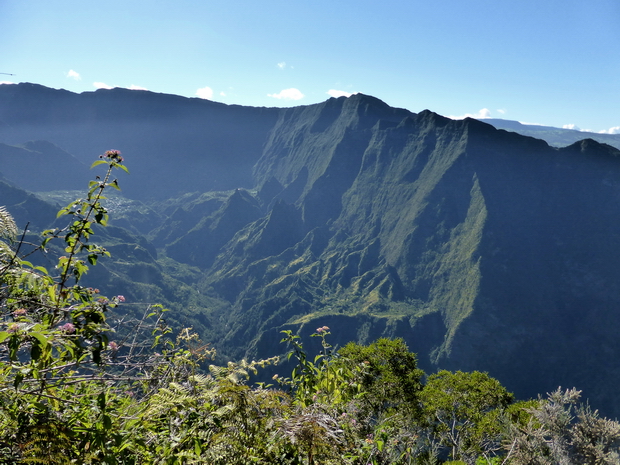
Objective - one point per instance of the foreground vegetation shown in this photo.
(77, 386)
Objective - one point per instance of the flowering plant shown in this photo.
(53, 331)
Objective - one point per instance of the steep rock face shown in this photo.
(315, 152)
(549, 272)
(493, 242)
(370, 210)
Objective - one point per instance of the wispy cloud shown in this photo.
(288, 94)
(205, 93)
(339, 93)
(102, 85)
(614, 130)
(482, 113)
(528, 123)
(74, 75)
(282, 65)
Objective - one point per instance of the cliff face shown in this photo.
(482, 248)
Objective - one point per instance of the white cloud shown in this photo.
(501, 111)
(339, 93)
(614, 130)
(102, 85)
(6, 82)
(483, 113)
(205, 92)
(74, 75)
(282, 65)
(572, 127)
(223, 94)
(288, 94)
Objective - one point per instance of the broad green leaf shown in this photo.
(97, 163)
(40, 337)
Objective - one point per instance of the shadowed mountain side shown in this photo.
(172, 144)
(25, 208)
(316, 162)
(549, 293)
(41, 166)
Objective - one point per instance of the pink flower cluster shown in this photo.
(114, 155)
(20, 312)
(67, 328)
(121, 298)
(321, 329)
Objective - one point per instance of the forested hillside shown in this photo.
(483, 249)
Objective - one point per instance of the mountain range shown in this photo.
(483, 248)
(556, 137)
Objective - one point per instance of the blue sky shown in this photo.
(551, 62)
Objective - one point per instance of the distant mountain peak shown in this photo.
(556, 137)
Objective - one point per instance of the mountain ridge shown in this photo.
(557, 137)
(483, 248)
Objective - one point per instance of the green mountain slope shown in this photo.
(498, 245)
(484, 249)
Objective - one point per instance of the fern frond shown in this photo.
(166, 399)
(48, 443)
(8, 227)
(6, 253)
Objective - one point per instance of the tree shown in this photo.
(386, 405)
(389, 374)
(463, 410)
(562, 431)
